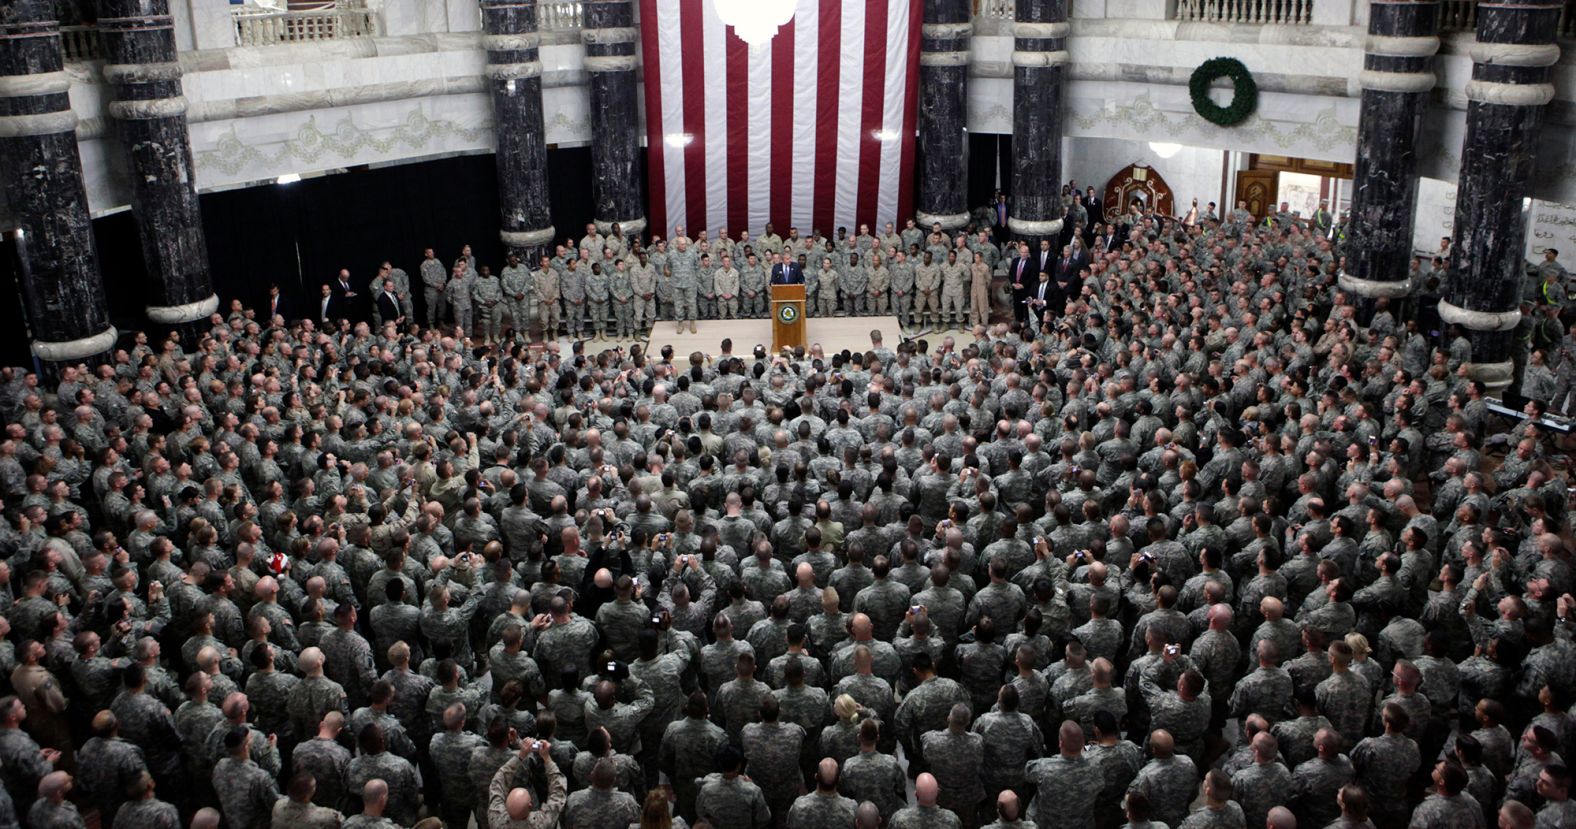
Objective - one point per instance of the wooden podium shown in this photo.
(787, 317)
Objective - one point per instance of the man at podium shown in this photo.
(787, 271)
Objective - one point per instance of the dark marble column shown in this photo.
(1511, 84)
(41, 171)
(1039, 60)
(139, 42)
(943, 139)
(609, 36)
(1396, 79)
(515, 70)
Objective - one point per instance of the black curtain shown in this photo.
(299, 235)
(989, 156)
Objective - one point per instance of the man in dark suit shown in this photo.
(1023, 274)
(277, 305)
(329, 307)
(1042, 299)
(388, 306)
(1093, 205)
(787, 271)
(998, 215)
(347, 298)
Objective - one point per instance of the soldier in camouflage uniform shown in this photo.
(874, 776)
(107, 765)
(1315, 783)
(434, 280)
(514, 807)
(1066, 784)
(903, 296)
(621, 292)
(827, 278)
(458, 290)
(682, 273)
(247, 792)
(572, 285)
(1263, 785)
(451, 751)
(1168, 781)
(1011, 739)
(519, 296)
(546, 289)
(879, 287)
(145, 811)
(598, 295)
(706, 287)
(855, 286)
(487, 294)
(313, 697)
(772, 749)
(753, 288)
(643, 292)
(1384, 765)
(954, 285)
(728, 798)
(688, 747)
(725, 283)
(824, 807)
(927, 283)
(925, 708)
(957, 760)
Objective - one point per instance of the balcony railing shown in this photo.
(254, 28)
(1461, 16)
(1284, 12)
(557, 17)
(81, 43)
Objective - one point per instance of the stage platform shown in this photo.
(833, 333)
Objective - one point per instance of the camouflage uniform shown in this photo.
(1011, 740)
(683, 271)
(573, 284)
(310, 700)
(1346, 700)
(1461, 811)
(1065, 791)
(726, 284)
(925, 709)
(595, 808)
(246, 793)
(105, 768)
(1259, 788)
(772, 750)
(597, 295)
(856, 288)
(1170, 785)
(957, 760)
(736, 803)
(1384, 766)
(1314, 785)
(433, 278)
(643, 289)
(903, 293)
(487, 293)
(546, 287)
(404, 787)
(880, 289)
(924, 817)
(520, 296)
(459, 293)
(329, 763)
(347, 659)
(545, 816)
(147, 814)
(753, 291)
(817, 809)
(876, 777)
(450, 752)
(954, 282)
(622, 293)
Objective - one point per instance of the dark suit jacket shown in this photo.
(388, 307)
(277, 305)
(794, 275)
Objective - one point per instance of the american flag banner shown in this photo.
(813, 129)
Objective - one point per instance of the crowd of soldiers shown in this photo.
(1198, 551)
(609, 286)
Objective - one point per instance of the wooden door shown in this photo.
(1257, 188)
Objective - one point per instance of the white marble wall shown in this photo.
(417, 91)
(1194, 172)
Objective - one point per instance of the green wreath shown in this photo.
(1243, 102)
(788, 314)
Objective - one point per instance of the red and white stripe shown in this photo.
(814, 130)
